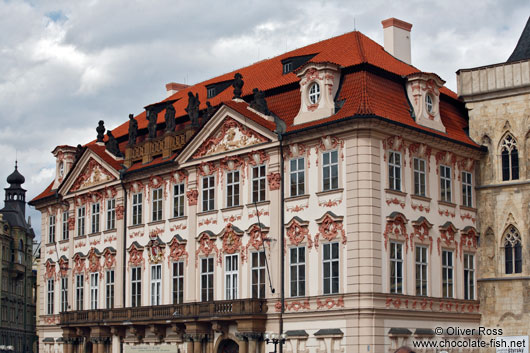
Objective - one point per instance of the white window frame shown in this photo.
(81, 213)
(208, 193)
(394, 170)
(111, 214)
(94, 225)
(109, 289)
(330, 165)
(136, 286)
(178, 282)
(397, 283)
(231, 276)
(209, 275)
(448, 274)
(445, 183)
(328, 279)
(257, 274)
(156, 284)
(137, 201)
(65, 235)
(259, 184)
(178, 200)
(232, 188)
(297, 268)
(314, 93)
(469, 276)
(50, 290)
(79, 291)
(297, 176)
(419, 166)
(64, 294)
(422, 265)
(467, 189)
(94, 290)
(156, 204)
(51, 229)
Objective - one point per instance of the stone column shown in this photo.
(68, 345)
(197, 346)
(190, 347)
(115, 344)
(243, 345)
(251, 345)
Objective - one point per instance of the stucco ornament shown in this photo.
(297, 231)
(136, 256)
(177, 250)
(92, 174)
(274, 180)
(330, 229)
(93, 261)
(155, 251)
(396, 228)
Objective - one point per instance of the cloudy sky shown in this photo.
(66, 64)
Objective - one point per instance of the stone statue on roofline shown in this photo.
(170, 118)
(151, 126)
(259, 103)
(112, 145)
(101, 131)
(208, 113)
(193, 109)
(79, 152)
(133, 130)
(238, 85)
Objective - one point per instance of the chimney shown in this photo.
(397, 38)
(174, 87)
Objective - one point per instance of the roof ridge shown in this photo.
(360, 46)
(364, 105)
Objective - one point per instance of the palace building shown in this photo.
(498, 99)
(333, 184)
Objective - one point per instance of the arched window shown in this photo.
(510, 158)
(513, 252)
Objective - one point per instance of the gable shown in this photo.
(92, 174)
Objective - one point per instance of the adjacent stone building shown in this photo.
(326, 193)
(17, 280)
(498, 99)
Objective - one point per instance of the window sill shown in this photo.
(233, 208)
(179, 218)
(94, 234)
(136, 226)
(421, 198)
(109, 231)
(445, 203)
(329, 192)
(466, 208)
(64, 241)
(153, 223)
(261, 203)
(396, 192)
(298, 197)
(80, 237)
(206, 213)
(49, 244)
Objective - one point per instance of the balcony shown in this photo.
(200, 311)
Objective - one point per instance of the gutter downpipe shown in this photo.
(124, 256)
(282, 238)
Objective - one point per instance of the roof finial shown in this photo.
(354, 27)
(16, 159)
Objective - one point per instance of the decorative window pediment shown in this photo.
(206, 246)
(396, 228)
(79, 263)
(297, 231)
(423, 90)
(136, 255)
(330, 228)
(94, 263)
(177, 249)
(421, 231)
(50, 270)
(109, 256)
(63, 266)
(155, 250)
(448, 236)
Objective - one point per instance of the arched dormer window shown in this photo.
(513, 253)
(509, 158)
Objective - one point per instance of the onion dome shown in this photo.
(16, 177)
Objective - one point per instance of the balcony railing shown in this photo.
(198, 310)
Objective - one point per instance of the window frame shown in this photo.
(418, 173)
(260, 271)
(95, 217)
(395, 168)
(94, 290)
(258, 183)
(446, 192)
(510, 166)
(81, 222)
(469, 276)
(299, 268)
(467, 189)
(137, 208)
(179, 205)
(65, 231)
(136, 286)
(208, 193)
(330, 166)
(111, 214)
(231, 276)
(157, 197)
(295, 175)
(209, 275)
(332, 261)
(156, 284)
(51, 229)
(448, 281)
(314, 93)
(50, 296)
(64, 294)
(233, 188)
(422, 264)
(178, 282)
(79, 291)
(397, 282)
(109, 288)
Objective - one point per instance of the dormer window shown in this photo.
(423, 90)
(429, 103)
(314, 93)
(211, 92)
(287, 67)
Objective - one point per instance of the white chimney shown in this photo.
(174, 87)
(397, 38)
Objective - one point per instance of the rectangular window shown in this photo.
(95, 218)
(447, 274)
(111, 214)
(419, 176)
(287, 67)
(467, 189)
(81, 221)
(208, 193)
(394, 170)
(396, 267)
(51, 230)
(258, 183)
(79, 291)
(207, 279)
(330, 170)
(156, 284)
(94, 290)
(65, 226)
(297, 176)
(109, 289)
(178, 282)
(49, 307)
(232, 188)
(469, 276)
(231, 276)
(157, 204)
(258, 274)
(64, 294)
(421, 270)
(137, 209)
(445, 183)
(136, 286)
(297, 259)
(210, 92)
(331, 268)
(178, 200)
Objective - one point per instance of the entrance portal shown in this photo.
(228, 346)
